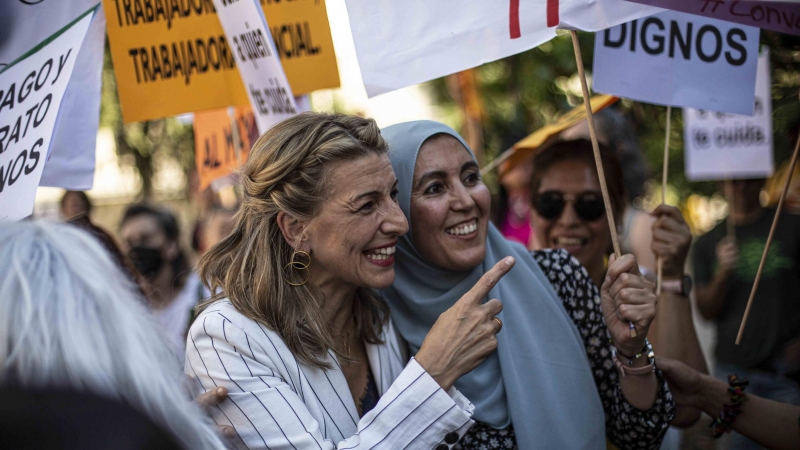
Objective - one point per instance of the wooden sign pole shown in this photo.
(497, 161)
(665, 170)
(728, 184)
(236, 139)
(789, 174)
(596, 148)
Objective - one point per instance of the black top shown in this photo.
(775, 315)
(371, 394)
(66, 420)
(626, 427)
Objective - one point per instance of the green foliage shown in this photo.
(522, 93)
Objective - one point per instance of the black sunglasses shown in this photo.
(588, 206)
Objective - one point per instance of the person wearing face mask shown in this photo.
(567, 372)
(150, 236)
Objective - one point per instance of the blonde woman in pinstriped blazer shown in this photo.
(307, 352)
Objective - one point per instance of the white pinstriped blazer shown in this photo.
(277, 403)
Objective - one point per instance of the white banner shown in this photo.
(25, 24)
(262, 73)
(402, 43)
(31, 90)
(719, 145)
(679, 59)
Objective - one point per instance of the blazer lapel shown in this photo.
(377, 364)
(330, 387)
(387, 360)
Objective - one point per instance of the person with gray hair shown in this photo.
(71, 320)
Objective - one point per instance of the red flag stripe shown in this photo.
(513, 19)
(552, 13)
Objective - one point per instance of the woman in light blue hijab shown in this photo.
(552, 382)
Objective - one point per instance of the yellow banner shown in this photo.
(171, 56)
(215, 143)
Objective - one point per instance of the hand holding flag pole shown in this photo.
(665, 170)
(596, 149)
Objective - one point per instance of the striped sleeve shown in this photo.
(267, 412)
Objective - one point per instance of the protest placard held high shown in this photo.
(679, 59)
(172, 57)
(31, 90)
(721, 146)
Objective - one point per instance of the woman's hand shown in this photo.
(213, 398)
(464, 335)
(684, 382)
(627, 296)
(671, 240)
(727, 255)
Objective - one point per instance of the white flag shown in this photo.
(402, 43)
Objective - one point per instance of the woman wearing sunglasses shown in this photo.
(552, 382)
(568, 212)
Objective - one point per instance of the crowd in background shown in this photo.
(139, 290)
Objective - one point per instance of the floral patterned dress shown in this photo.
(626, 427)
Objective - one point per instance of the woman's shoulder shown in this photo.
(556, 259)
(222, 307)
(225, 313)
(563, 270)
(220, 324)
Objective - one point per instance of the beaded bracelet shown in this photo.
(727, 416)
(631, 359)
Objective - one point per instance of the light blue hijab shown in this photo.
(539, 378)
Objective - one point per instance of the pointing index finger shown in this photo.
(489, 280)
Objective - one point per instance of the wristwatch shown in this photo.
(681, 286)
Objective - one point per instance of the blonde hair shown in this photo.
(286, 171)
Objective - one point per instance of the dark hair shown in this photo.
(581, 150)
(167, 222)
(82, 195)
(620, 136)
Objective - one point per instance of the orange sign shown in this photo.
(172, 57)
(216, 152)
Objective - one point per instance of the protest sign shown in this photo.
(216, 140)
(31, 89)
(399, 44)
(679, 59)
(783, 17)
(719, 146)
(172, 57)
(70, 163)
(251, 43)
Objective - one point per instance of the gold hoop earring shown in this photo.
(298, 266)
